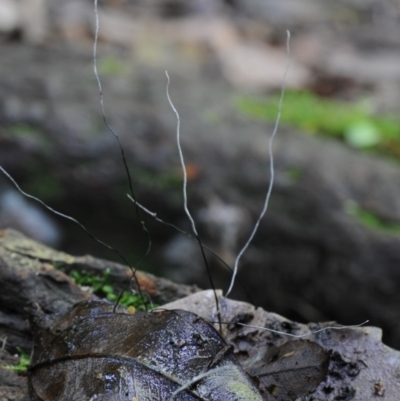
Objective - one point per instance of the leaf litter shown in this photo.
(94, 353)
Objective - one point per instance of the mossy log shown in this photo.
(360, 367)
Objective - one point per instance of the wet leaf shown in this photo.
(291, 370)
(91, 353)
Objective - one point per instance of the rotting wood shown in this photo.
(359, 360)
(28, 277)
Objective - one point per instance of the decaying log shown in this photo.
(28, 277)
(360, 368)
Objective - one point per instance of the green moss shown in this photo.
(352, 123)
(28, 132)
(103, 288)
(24, 362)
(371, 220)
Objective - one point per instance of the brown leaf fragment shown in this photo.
(291, 370)
(91, 353)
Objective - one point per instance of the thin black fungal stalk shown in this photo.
(272, 172)
(154, 216)
(222, 261)
(337, 327)
(50, 208)
(65, 216)
(178, 141)
(96, 37)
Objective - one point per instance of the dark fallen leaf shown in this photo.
(91, 353)
(291, 370)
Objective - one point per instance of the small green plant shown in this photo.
(371, 220)
(102, 287)
(24, 362)
(352, 123)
